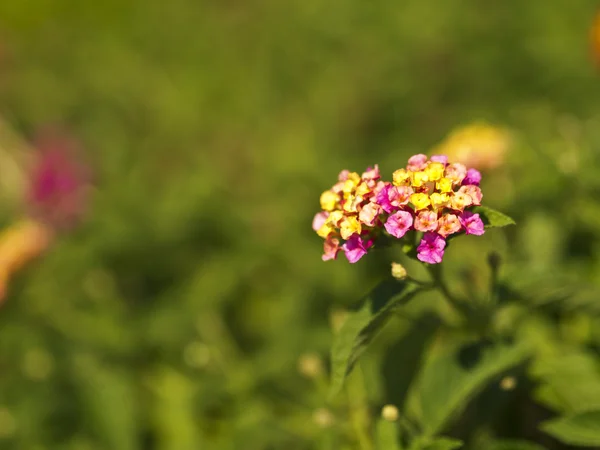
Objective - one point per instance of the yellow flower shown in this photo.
(434, 171)
(328, 200)
(335, 217)
(439, 200)
(349, 226)
(400, 177)
(352, 202)
(420, 201)
(460, 201)
(325, 230)
(362, 189)
(419, 179)
(444, 185)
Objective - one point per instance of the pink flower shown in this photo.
(431, 248)
(473, 177)
(426, 221)
(456, 173)
(399, 195)
(331, 247)
(472, 223)
(58, 181)
(355, 248)
(319, 220)
(383, 198)
(369, 214)
(472, 191)
(399, 223)
(371, 173)
(448, 224)
(439, 158)
(343, 176)
(417, 162)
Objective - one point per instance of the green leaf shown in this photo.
(492, 218)
(387, 435)
(514, 445)
(361, 326)
(569, 383)
(440, 443)
(109, 396)
(446, 386)
(581, 429)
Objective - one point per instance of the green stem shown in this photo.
(359, 415)
(436, 274)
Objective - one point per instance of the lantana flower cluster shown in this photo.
(429, 196)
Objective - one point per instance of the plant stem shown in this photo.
(436, 274)
(359, 415)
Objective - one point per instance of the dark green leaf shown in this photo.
(446, 385)
(492, 218)
(361, 326)
(440, 443)
(581, 429)
(514, 445)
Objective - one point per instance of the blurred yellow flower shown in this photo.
(19, 244)
(477, 145)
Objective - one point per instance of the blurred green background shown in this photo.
(177, 315)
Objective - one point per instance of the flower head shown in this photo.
(431, 196)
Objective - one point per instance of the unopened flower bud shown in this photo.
(508, 383)
(398, 271)
(323, 418)
(390, 413)
(310, 365)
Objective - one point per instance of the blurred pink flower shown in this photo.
(58, 182)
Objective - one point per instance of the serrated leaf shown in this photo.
(514, 445)
(581, 429)
(361, 326)
(440, 443)
(387, 435)
(446, 384)
(492, 218)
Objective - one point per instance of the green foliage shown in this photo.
(581, 429)
(360, 327)
(514, 445)
(440, 443)
(447, 384)
(191, 309)
(492, 218)
(387, 436)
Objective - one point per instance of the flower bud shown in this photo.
(390, 413)
(398, 271)
(310, 365)
(323, 417)
(508, 383)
